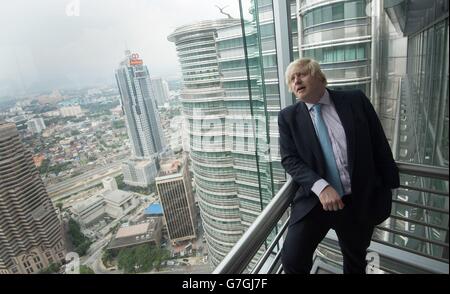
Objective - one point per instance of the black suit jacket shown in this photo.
(372, 169)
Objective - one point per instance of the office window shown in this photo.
(350, 53)
(270, 60)
(317, 16)
(350, 10)
(338, 11)
(361, 52)
(334, 12)
(294, 28)
(327, 14)
(267, 30)
(340, 54)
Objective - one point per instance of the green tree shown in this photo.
(51, 269)
(85, 270)
(44, 166)
(107, 257)
(142, 258)
(58, 168)
(126, 260)
(119, 181)
(59, 205)
(79, 240)
(161, 255)
(118, 124)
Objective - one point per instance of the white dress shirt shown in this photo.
(338, 141)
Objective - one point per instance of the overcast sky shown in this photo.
(41, 47)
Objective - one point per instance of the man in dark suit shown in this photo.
(333, 146)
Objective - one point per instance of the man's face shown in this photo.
(306, 87)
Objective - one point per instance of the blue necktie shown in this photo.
(332, 172)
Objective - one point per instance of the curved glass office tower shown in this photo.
(244, 105)
(203, 106)
(338, 34)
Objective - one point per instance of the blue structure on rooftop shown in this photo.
(154, 209)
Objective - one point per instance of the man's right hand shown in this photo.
(330, 199)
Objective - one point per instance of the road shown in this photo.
(81, 182)
(94, 257)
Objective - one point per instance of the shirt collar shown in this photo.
(325, 99)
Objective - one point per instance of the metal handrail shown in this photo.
(415, 205)
(418, 222)
(409, 235)
(431, 191)
(266, 255)
(242, 253)
(427, 171)
(248, 245)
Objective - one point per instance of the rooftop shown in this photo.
(169, 166)
(148, 232)
(134, 230)
(154, 208)
(116, 196)
(139, 162)
(82, 205)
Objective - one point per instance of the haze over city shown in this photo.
(44, 48)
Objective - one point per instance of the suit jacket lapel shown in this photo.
(345, 113)
(308, 133)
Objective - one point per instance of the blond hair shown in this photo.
(305, 66)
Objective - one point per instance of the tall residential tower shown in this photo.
(138, 103)
(142, 120)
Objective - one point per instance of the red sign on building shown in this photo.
(135, 60)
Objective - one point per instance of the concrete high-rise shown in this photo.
(30, 231)
(161, 91)
(139, 172)
(36, 125)
(175, 192)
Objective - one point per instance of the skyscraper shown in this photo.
(174, 188)
(161, 90)
(138, 103)
(30, 232)
(231, 99)
(203, 106)
(142, 119)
